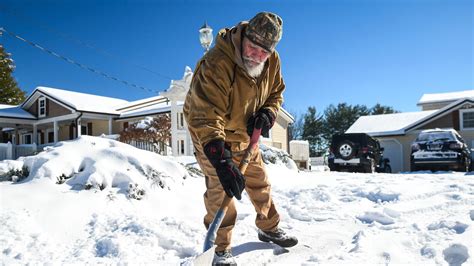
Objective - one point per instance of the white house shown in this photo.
(50, 115)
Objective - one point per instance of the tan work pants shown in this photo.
(257, 187)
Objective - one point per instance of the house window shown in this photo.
(180, 120)
(26, 138)
(42, 107)
(50, 137)
(83, 130)
(182, 147)
(467, 119)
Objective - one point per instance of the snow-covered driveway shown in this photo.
(339, 218)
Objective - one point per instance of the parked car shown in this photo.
(440, 149)
(357, 152)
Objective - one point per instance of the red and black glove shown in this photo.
(229, 175)
(267, 118)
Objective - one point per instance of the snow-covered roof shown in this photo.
(3, 106)
(388, 124)
(83, 101)
(148, 110)
(445, 97)
(14, 111)
(140, 103)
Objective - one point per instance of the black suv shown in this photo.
(357, 152)
(440, 149)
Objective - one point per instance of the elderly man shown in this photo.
(237, 82)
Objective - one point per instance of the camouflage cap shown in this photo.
(265, 30)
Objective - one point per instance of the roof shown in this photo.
(445, 97)
(14, 111)
(400, 123)
(141, 103)
(156, 108)
(387, 124)
(80, 101)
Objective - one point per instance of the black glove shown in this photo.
(229, 175)
(266, 116)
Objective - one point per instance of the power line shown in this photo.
(93, 70)
(82, 43)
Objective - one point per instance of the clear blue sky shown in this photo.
(332, 51)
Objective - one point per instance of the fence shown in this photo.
(160, 148)
(9, 151)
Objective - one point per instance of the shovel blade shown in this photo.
(205, 259)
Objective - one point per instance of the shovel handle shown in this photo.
(244, 162)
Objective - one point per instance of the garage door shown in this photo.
(393, 151)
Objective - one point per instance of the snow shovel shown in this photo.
(209, 247)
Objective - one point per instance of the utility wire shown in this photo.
(79, 42)
(75, 62)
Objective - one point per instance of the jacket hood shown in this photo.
(229, 41)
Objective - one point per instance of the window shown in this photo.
(83, 130)
(182, 147)
(180, 120)
(467, 119)
(42, 107)
(26, 138)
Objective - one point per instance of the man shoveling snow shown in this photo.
(236, 83)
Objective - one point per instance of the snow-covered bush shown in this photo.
(16, 175)
(135, 192)
(271, 155)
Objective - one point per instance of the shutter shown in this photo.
(71, 131)
(456, 119)
(46, 103)
(89, 129)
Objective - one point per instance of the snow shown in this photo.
(14, 111)
(387, 124)
(418, 218)
(443, 97)
(156, 108)
(83, 101)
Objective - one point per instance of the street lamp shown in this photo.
(205, 36)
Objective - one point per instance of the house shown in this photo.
(396, 132)
(50, 115)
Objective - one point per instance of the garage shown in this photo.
(393, 151)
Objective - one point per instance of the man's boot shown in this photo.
(278, 237)
(224, 258)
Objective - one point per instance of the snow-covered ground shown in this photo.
(339, 218)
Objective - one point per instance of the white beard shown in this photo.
(253, 71)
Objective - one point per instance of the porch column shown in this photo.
(16, 140)
(55, 131)
(110, 125)
(79, 127)
(35, 134)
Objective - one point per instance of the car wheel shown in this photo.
(370, 168)
(387, 169)
(346, 150)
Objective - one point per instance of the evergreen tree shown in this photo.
(379, 109)
(10, 93)
(312, 132)
(338, 119)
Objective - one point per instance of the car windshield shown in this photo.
(434, 136)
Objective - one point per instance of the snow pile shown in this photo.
(100, 163)
(271, 155)
(420, 218)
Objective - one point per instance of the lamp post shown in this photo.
(205, 36)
